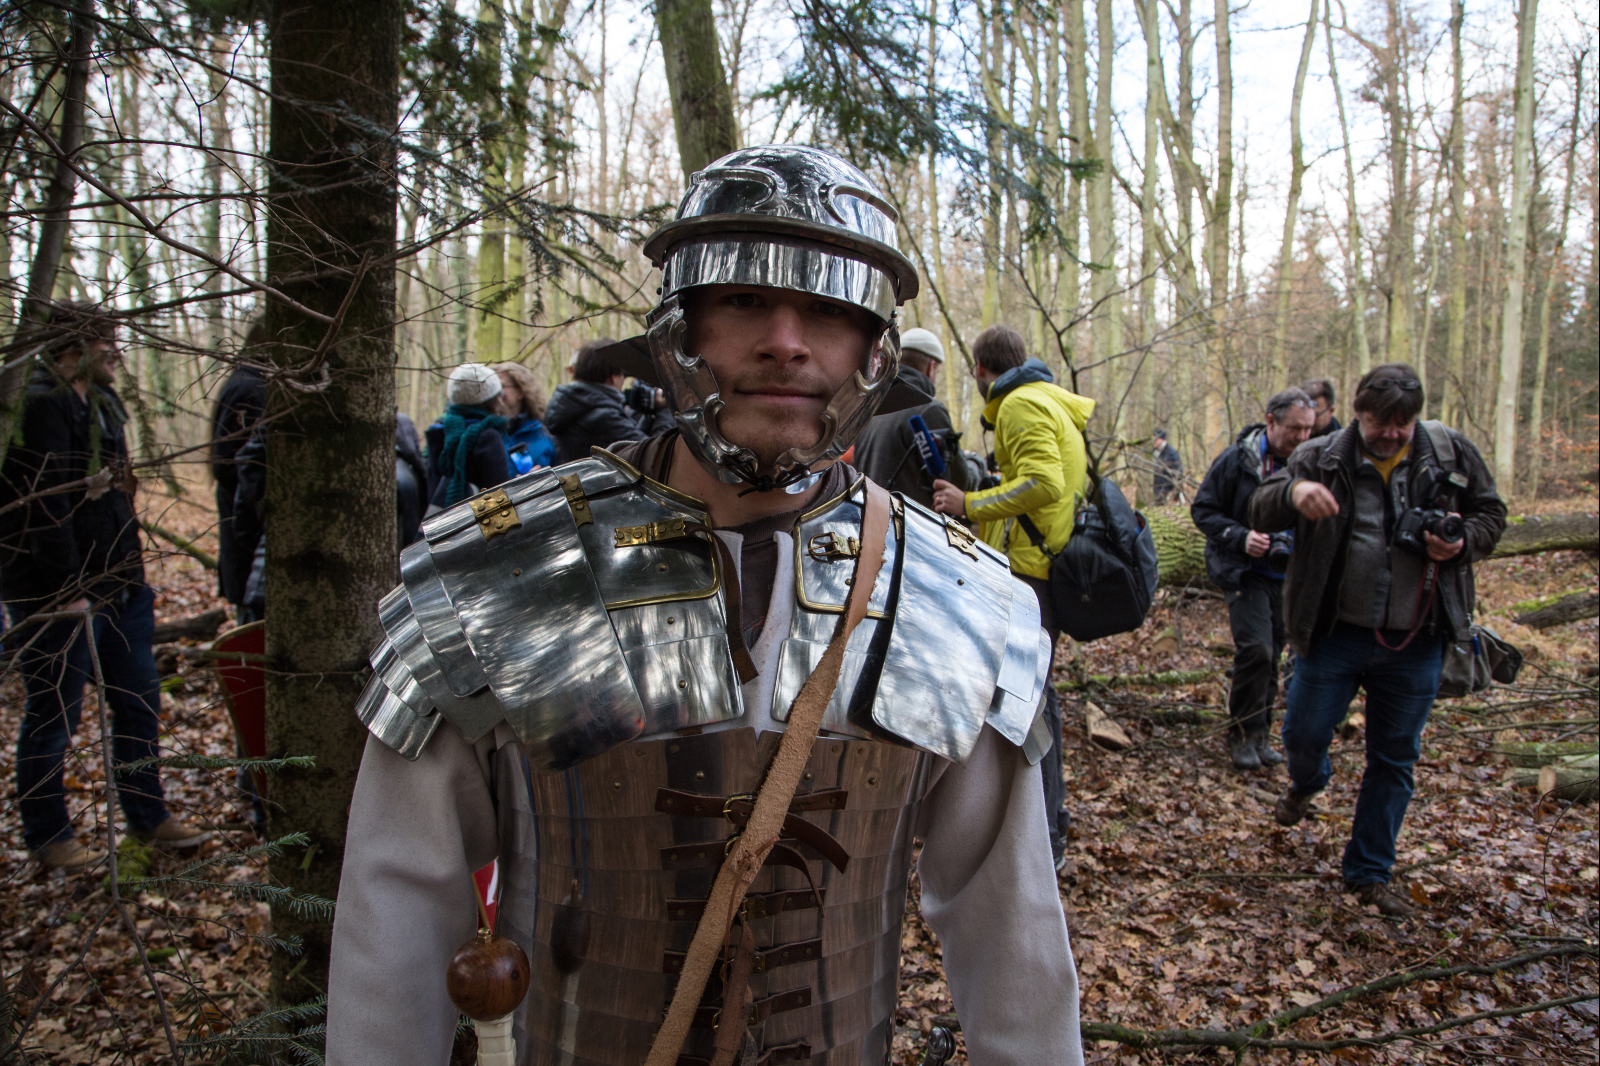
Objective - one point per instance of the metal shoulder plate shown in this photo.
(571, 603)
(951, 642)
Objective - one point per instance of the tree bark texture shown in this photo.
(1219, 235)
(1355, 283)
(1569, 608)
(1297, 170)
(56, 215)
(330, 488)
(1451, 409)
(1506, 402)
(702, 102)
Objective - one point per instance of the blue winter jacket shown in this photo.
(541, 447)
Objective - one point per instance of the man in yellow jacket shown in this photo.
(1038, 442)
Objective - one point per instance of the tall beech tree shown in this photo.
(702, 103)
(330, 452)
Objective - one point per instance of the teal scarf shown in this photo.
(463, 424)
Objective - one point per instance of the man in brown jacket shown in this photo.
(1388, 522)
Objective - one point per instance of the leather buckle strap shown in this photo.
(693, 805)
(754, 907)
(737, 809)
(762, 961)
(760, 1010)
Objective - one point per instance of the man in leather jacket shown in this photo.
(1372, 597)
(586, 672)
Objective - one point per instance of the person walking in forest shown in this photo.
(1387, 523)
(887, 451)
(1168, 475)
(1044, 464)
(528, 443)
(1322, 395)
(70, 542)
(466, 448)
(1248, 566)
(628, 681)
(240, 405)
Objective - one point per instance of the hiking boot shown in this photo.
(1265, 753)
(174, 834)
(69, 856)
(1385, 897)
(1291, 807)
(1242, 751)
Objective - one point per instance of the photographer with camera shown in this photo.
(593, 410)
(1248, 566)
(1388, 522)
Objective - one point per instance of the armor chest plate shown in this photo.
(606, 867)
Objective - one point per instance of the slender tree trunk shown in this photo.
(330, 487)
(1220, 235)
(1154, 84)
(1455, 344)
(1107, 320)
(1506, 400)
(1357, 282)
(1547, 298)
(702, 103)
(488, 335)
(1398, 241)
(1297, 171)
(1078, 127)
(55, 218)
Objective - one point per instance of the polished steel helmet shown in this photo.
(790, 217)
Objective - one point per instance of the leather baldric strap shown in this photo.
(765, 826)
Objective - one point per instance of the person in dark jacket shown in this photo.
(887, 451)
(410, 480)
(1371, 600)
(1321, 392)
(250, 524)
(590, 412)
(466, 448)
(240, 405)
(78, 549)
(1169, 468)
(528, 443)
(1247, 566)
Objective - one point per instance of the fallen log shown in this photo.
(1161, 677)
(1576, 784)
(1181, 550)
(202, 626)
(1570, 608)
(183, 544)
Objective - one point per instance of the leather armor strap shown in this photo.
(761, 905)
(765, 827)
(734, 625)
(762, 961)
(737, 809)
(758, 1012)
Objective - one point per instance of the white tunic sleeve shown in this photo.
(417, 831)
(989, 894)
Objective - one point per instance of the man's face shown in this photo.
(984, 377)
(779, 356)
(101, 365)
(1324, 411)
(1295, 429)
(1384, 439)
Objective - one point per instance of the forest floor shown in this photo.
(1188, 907)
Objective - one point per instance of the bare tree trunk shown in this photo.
(1297, 171)
(1398, 240)
(1357, 283)
(1506, 405)
(1154, 83)
(1107, 319)
(330, 502)
(1547, 298)
(488, 336)
(1220, 235)
(1455, 345)
(55, 217)
(702, 103)
(1078, 127)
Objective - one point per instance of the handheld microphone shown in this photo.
(932, 460)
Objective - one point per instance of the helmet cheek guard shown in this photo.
(788, 217)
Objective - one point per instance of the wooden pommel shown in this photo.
(488, 977)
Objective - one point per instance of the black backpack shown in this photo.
(1104, 579)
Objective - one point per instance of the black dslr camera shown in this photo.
(640, 397)
(1279, 550)
(1434, 494)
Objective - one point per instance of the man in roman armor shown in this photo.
(702, 694)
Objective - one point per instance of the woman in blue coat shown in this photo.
(528, 443)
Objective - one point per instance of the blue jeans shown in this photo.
(1401, 686)
(54, 670)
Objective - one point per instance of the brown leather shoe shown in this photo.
(69, 856)
(1385, 897)
(174, 834)
(1291, 807)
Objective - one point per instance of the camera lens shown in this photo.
(1450, 528)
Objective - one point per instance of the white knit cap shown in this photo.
(924, 341)
(473, 383)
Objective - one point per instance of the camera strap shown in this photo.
(1425, 589)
